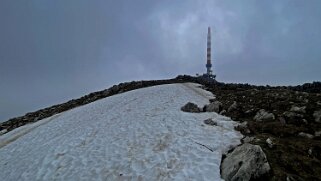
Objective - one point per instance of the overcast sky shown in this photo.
(54, 50)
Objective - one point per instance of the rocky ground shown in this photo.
(284, 121)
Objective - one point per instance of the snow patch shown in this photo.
(137, 135)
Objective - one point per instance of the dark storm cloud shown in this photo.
(52, 51)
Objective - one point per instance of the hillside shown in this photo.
(138, 135)
(283, 120)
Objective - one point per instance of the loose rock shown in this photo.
(269, 143)
(247, 139)
(232, 107)
(222, 112)
(4, 131)
(243, 128)
(215, 106)
(291, 177)
(317, 116)
(262, 115)
(306, 135)
(298, 109)
(190, 107)
(246, 162)
(282, 121)
(317, 133)
(293, 118)
(210, 122)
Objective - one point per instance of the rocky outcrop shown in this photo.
(262, 115)
(246, 162)
(190, 107)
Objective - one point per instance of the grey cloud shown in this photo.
(52, 51)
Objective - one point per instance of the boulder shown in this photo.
(190, 107)
(262, 115)
(210, 122)
(317, 116)
(298, 109)
(246, 162)
(215, 106)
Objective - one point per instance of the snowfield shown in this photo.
(137, 135)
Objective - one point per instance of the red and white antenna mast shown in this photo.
(209, 63)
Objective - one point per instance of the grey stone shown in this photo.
(317, 133)
(250, 111)
(190, 107)
(247, 139)
(215, 106)
(210, 122)
(243, 127)
(262, 115)
(282, 120)
(222, 112)
(306, 135)
(270, 143)
(114, 88)
(291, 177)
(310, 151)
(246, 162)
(244, 124)
(4, 131)
(298, 109)
(105, 92)
(232, 107)
(317, 116)
(292, 115)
